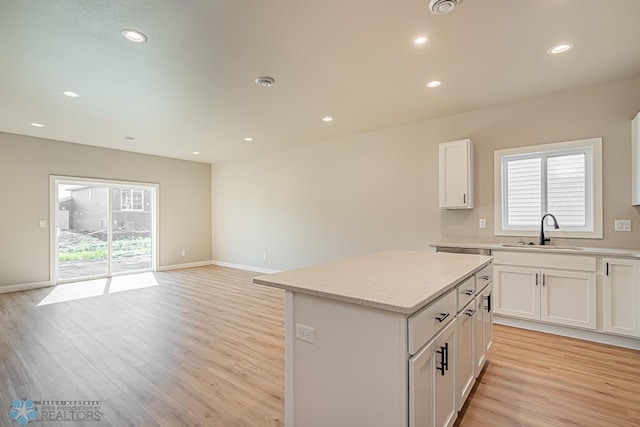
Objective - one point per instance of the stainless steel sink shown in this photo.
(546, 247)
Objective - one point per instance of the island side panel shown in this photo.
(356, 373)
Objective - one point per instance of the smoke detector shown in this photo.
(265, 81)
(441, 7)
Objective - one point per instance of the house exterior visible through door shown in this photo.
(102, 228)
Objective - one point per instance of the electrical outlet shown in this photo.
(43, 223)
(483, 223)
(622, 225)
(264, 255)
(183, 253)
(305, 333)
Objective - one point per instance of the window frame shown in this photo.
(593, 182)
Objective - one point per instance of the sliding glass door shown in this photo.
(102, 228)
(131, 216)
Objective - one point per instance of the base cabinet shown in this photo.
(621, 296)
(465, 364)
(482, 328)
(432, 401)
(555, 296)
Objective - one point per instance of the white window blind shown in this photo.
(524, 192)
(566, 189)
(554, 182)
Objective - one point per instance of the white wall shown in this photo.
(25, 166)
(379, 190)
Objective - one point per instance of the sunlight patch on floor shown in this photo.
(93, 288)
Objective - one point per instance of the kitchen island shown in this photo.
(371, 341)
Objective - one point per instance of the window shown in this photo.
(132, 199)
(564, 179)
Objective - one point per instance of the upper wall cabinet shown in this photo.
(456, 174)
(635, 160)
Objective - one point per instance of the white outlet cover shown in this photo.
(305, 333)
(483, 223)
(622, 225)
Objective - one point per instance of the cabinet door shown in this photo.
(621, 296)
(456, 174)
(487, 319)
(568, 298)
(465, 360)
(432, 400)
(422, 371)
(516, 291)
(478, 336)
(446, 409)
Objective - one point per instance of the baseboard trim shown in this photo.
(24, 287)
(595, 336)
(185, 265)
(244, 267)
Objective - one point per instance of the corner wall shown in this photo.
(25, 165)
(379, 190)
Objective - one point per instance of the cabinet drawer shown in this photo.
(427, 322)
(466, 292)
(484, 277)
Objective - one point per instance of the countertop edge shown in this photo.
(624, 253)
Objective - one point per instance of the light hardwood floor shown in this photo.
(204, 346)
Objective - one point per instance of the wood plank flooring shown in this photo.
(205, 347)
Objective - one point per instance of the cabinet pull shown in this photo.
(536, 279)
(470, 312)
(464, 198)
(469, 292)
(607, 264)
(488, 307)
(543, 279)
(446, 354)
(444, 358)
(442, 317)
(485, 277)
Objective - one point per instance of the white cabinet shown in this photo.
(621, 296)
(635, 160)
(482, 328)
(456, 174)
(516, 291)
(465, 362)
(475, 331)
(432, 401)
(568, 298)
(563, 297)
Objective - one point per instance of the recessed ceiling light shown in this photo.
(37, 125)
(134, 36)
(327, 119)
(561, 48)
(248, 139)
(433, 83)
(70, 94)
(421, 40)
(129, 138)
(195, 152)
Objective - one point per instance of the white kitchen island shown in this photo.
(371, 341)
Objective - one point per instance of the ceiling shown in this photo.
(191, 86)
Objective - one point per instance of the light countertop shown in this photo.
(399, 281)
(572, 250)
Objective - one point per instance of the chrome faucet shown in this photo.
(555, 225)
